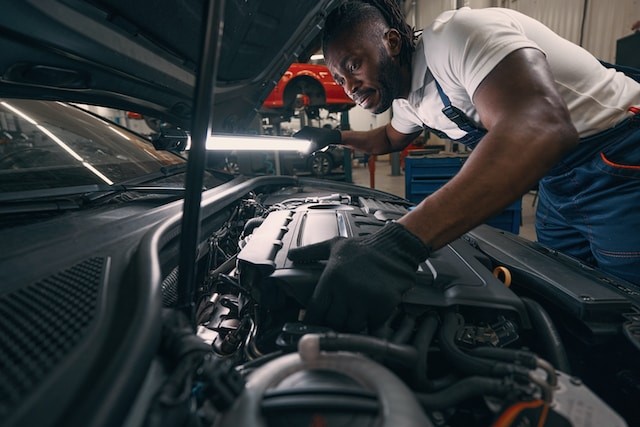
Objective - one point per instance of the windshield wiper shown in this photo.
(72, 198)
(147, 189)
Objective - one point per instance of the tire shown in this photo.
(320, 164)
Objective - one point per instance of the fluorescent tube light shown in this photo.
(255, 143)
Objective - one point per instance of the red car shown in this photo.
(314, 83)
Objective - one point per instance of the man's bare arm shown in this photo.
(382, 140)
(529, 130)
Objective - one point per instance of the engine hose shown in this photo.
(468, 364)
(251, 225)
(520, 357)
(403, 334)
(422, 342)
(524, 358)
(464, 389)
(374, 347)
(552, 346)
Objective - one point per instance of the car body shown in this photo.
(316, 86)
(318, 164)
(165, 295)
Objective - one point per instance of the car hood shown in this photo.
(143, 55)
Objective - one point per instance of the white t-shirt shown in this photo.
(462, 46)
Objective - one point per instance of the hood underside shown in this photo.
(143, 56)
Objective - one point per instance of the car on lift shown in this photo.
(137, 288)
(305, 86)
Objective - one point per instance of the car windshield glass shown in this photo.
(52, 145)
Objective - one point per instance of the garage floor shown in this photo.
(384, 181)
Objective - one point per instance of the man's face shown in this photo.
(365, 70)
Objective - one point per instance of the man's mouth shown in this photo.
(364, 100)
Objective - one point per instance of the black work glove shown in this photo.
(365, 277)
(321, 137)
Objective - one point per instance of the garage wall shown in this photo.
(593, 24)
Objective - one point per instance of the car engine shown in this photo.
(476, 342)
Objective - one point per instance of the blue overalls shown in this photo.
(589, 202)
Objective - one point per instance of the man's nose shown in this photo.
(351, 86)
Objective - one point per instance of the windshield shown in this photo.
(49, 145)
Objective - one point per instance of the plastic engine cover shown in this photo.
(453, 275)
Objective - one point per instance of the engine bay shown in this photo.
(475, 342)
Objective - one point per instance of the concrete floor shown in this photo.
(384, 181)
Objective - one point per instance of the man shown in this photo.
(528, 102)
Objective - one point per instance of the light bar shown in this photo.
(255, 143)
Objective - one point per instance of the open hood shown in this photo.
(143, 55)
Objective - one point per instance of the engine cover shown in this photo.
(455, 275)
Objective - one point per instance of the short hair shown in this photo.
(352, 13)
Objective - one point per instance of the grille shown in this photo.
(41, 324)
(170, 289)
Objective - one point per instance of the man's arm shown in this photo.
(529, 130)
(382, 140)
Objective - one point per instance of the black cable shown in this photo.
(552, 345)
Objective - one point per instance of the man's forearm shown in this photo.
(495, 175)
(381, 140)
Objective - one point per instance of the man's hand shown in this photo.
(364, 279)
(321, 137)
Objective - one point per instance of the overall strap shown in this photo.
(454, 114)
(630, 72)
(457, 116)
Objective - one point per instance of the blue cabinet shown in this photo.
(424, 175)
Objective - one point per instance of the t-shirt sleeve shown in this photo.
(404, 120)
(463, 47)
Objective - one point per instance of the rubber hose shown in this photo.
(462, 390)
(524, 358)
(251, 225)
(371, 346)
(422, 342)
(552, 345)
(404, 331)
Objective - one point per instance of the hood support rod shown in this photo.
(200, 130)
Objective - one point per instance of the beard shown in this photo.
(388, 81)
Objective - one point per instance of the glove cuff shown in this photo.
(395, 238)
(335, 137)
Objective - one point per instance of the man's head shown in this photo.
(367, 45)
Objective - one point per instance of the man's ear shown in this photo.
(393, 42)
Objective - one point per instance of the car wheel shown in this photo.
(320, 164)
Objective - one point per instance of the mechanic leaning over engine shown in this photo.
(534, 107)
